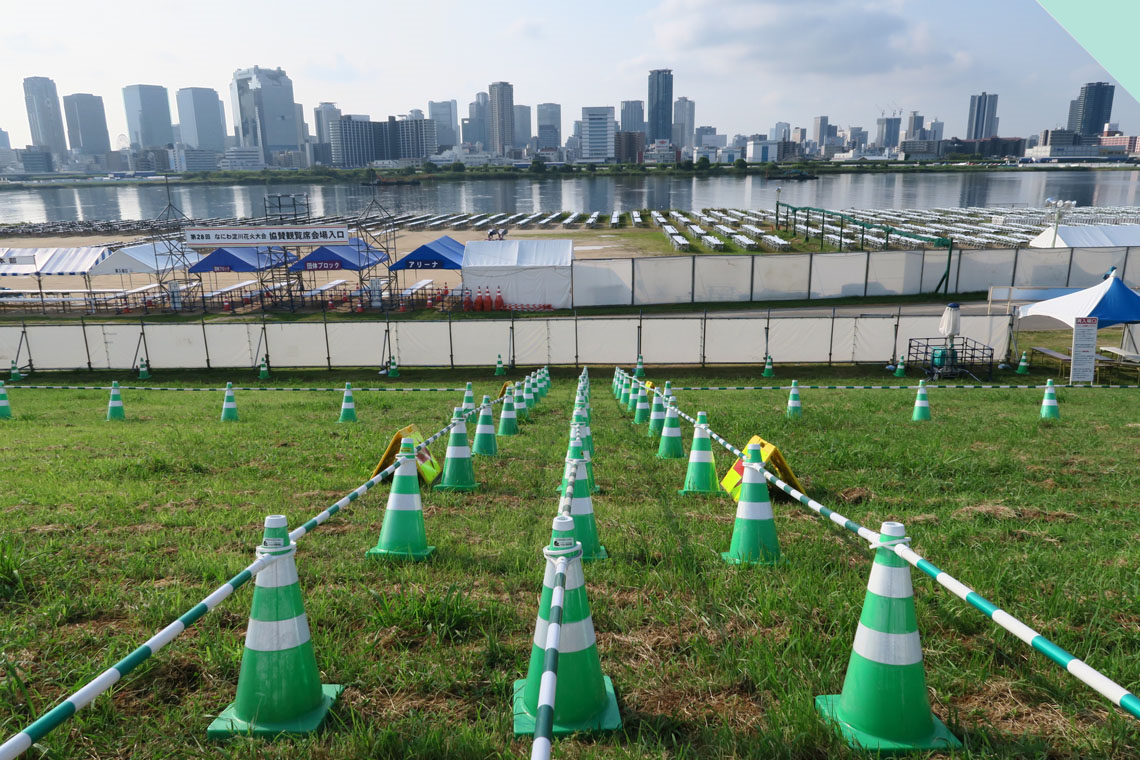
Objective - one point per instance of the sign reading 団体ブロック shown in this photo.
(236, 237)
(1083, 367)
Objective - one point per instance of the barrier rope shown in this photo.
(884, 387)
(1092, 678)
(236, 388)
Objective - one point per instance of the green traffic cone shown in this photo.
(626, 387)
(115, 409)
(393, 368)
(656, 417)
(508, 422)
(667, 391)
(229, 405)
(402, 535)
(639, 371)
(700, 477)
(671, 446)
(884, 706)
(617, 384)
(499, 368)
(631, 402)
(768, 370)
(144, 369)
(279, 688)
(347, 405)
(582, 699)
(574, 452)
(754, 539)
(468, 399)
(528, 395)
(485, 444)
(1049, 408)
(522, 412)
(921, 404)
(263, 374)
(900, 368)
(581, 420)
(795, 409)
(641, 410)
(14, 374)
(1023, 366)
(5, 407)
(582, 506)
(458, 472)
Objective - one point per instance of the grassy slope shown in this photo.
(117, 529)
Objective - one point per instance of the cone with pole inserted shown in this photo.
(626, 389)
(631, 402)
(617, 383)
(485, 444)
(1023, 365)
(458, 472)
(884, 706)
(921, 404)
(581, 419)
(468, 399)
(671, 446)
(508, 423)
(115, 409)
(656, 417)
(579, 698)
(582, 505)
(768, 370)
(229, 405)
(5, 407)
(754, 539)
(700, 477)
(900, 368)
(402, 535)
(263, 373)
(795, 409)
(574, 452)
(528, 394)
(667, 391)
(347, 405)
(14, 374)
(499, 368)
(1049, 408)
(641, 410)
(279, 688)
(144, 368)
(639, 371)
(521, 410)
(393, 368)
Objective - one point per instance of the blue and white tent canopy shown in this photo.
(242, 260)
(355, 257)
(38, 262)
(1110, 301)
(442, 253)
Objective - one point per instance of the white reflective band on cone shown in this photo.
(460, 452)
(891, 582)
(754, 510)
(278, 635)
(887, 648)
(407, 502)
(700, 456)
(574, 636)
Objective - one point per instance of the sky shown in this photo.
(746, 63)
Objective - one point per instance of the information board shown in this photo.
(292, 235)
(1083, 367)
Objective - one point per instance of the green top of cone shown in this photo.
(468, 388)
(921, 383)
(754, 454)
(702, 418)
(407, 447)
(115, 383)
(457, 414)
(276, 534)
(796, 384)
(562, 533)
(348, 386)
(486, 401)
(1049, 382)
(228, 385)
(575, 451)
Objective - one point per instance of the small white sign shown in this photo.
(249, 237)
(1083, 367)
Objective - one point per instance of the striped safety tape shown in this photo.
(237, 388)
(884, 387)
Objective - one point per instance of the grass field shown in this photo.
(111, 530)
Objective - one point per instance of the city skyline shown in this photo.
(899, 69)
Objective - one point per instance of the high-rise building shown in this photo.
(549, 125)
(934, 129)
(629, 147)
(476, 127)
(598, 129)
(324, 115)
(264, 111)
(1092, 109)
(44, 115)
(5, 142)
(148, 116)
(199, 118)
(819, 132)
(522, 127)
(86, 124)
(982, 122)
(799, 135)
(856, 137)
(660, 103)
(888, 132)
(684, 122)
(501, 118)
(445, 114)
(633, 116)
(357, 141)
(915, 126)
(353, 140)
(780, 132)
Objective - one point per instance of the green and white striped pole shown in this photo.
(347, 405)
(667, 391)
(671, 446)
(921, 404)
(263, 373)
(279, 687)
(508, 422)
(458, 471)
(485, 444)
(468, 399)
(229, 405)
(1023, 365)
(499, 368)
(641, 410)
(795, 408)
(522, 412)
(5, 407)
(402, 534)
(656, 417)
(115, 409)
(700, 477)
(768, 369)
(884, 705)
(1049, 408)
(754, 540)
(574, 452)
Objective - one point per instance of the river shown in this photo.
(606, 194)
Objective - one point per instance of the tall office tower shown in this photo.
(86, 124)
(915, 126)
(633, 116)
(445, 114)
(1092, 109)
(415, 136)
(684, 122)
(264, 111)
(857, 137)
(199, 118)
(476, 128)
(5, 143)
(983, 120)
(44, 115)
(780, 132)
(324, 116)
(148, 116)
(934, 129)
(598, 128)
(660, 103)
(501, 118)
(522, 126)
(820, 126)
(888, 135)
(353, 140)
(549, 125)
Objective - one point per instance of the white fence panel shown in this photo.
(894, 273)
(843, 339)
(799, 339)
(1131, 271)
(781, 277)
(917, 327)
(982, 269)
(10, 344)
(993, 331)
(298, 344)
(837, 275)
(562, 347)
(734, 340)
(603, 282)
(532, 338)
(671, 341)
(1090, 265)
(114, 346)
(1042, 267)
(874, 340)
(175, 346)
(356, 344)
(421, 344)
(234, 345)
(54, 347)
(607, 341)
(934, 267)
(723, 278)
(663, 279)
(479, 341)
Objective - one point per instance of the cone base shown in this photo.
(707, 492)
(767, 374)
(499, 373)
(670, 456)
(940, 738)
(492, 455)
(609, 719)
(730, 559)
(446, 487)
(600, 554)
(227, 724)
(507, 435)
(377, 553)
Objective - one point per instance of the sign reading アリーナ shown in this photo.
(233, 237)
(1083, 367)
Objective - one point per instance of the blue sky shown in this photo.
(746, 63)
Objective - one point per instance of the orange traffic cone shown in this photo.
(467, 303)
(499, 305)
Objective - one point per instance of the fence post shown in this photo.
(811, 263)
(632, 281)
(575, 339)
(957, 274)
(328, 348)
(1069, 274)
(866, 272)
(895, 342)
(831, 337)
(205, 342)
(767, 325)
(640, 317)
(86, 348)
(450, 343)
(511, 342)
(752, 277)
(1013, 274)
(693, 280)
(704, 328)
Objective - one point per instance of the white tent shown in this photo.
(145, 258)
(528, 271)
(1091, 236)
(36, 262)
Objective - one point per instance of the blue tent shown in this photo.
(1111, 302)
(356, 256)
(443, 253)
(242, 260)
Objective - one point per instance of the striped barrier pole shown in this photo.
(544, 720)
(1100, 386)
(241, 388)
(1100, 683)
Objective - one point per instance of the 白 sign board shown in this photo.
(248, 237)
(1083, 367)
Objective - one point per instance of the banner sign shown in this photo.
(1083, 367)
(238, 237)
